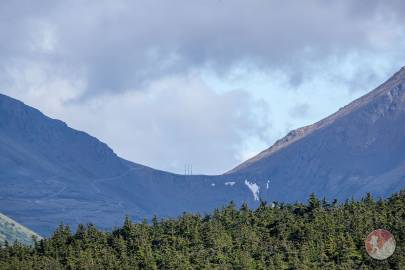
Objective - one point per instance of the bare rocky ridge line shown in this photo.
(300, 133)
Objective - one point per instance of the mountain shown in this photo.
(12, 231)
(52, 174)
(359, 149)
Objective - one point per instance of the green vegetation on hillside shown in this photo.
(12, 231)
(315, 235)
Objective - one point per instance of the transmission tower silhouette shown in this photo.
(188, 169)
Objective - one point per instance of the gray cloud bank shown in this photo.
(67, 56)
(117, 45)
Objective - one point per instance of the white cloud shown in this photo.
(176, 120)
(208, 83)
(38, 84)
(44, 38)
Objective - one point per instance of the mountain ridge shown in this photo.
(301, 132)
(52, 174)
(360, 151)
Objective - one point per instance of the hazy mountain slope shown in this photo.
(12, 231)
(360, 148)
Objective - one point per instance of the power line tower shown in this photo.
(188, 169)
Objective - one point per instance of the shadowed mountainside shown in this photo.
(51, 173)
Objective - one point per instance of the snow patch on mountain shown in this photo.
(230, 183)
(254, 188)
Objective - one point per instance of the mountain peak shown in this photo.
(390, 91)
(400, 73)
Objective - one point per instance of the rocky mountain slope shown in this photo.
(359, 149)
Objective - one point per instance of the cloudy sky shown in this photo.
(207, 82)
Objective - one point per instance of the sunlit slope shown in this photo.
(12, 231)
(358, 149)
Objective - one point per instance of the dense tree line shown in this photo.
(315, 235)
